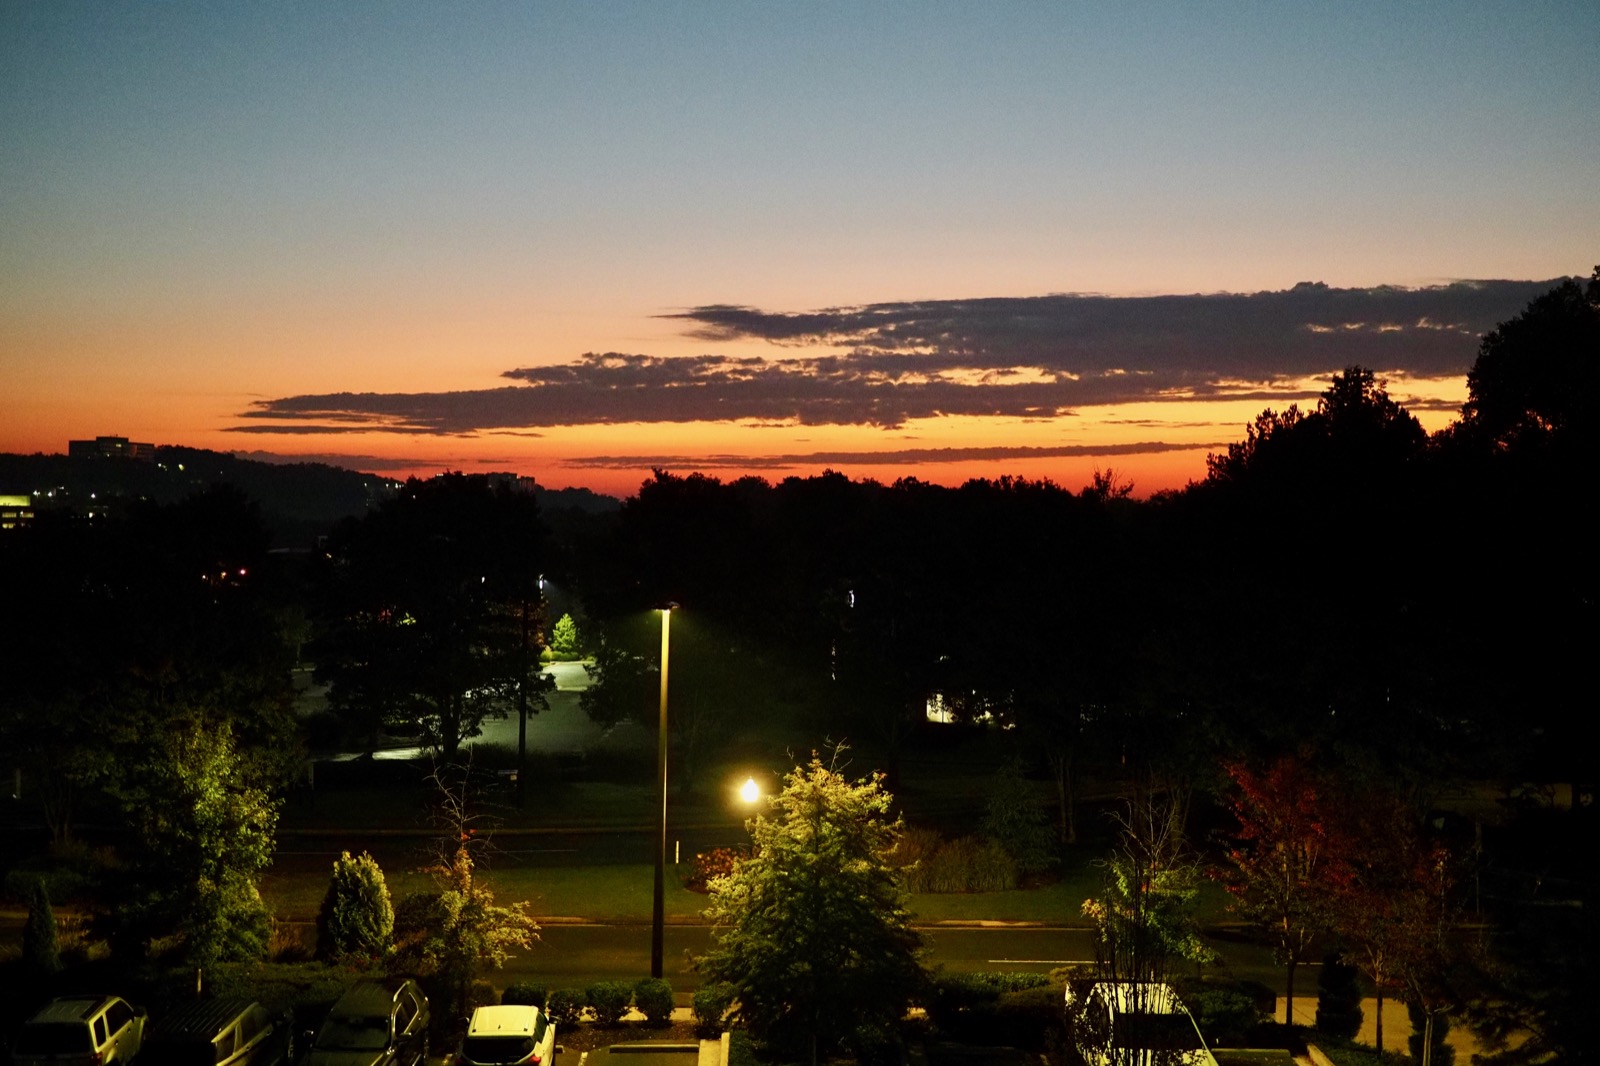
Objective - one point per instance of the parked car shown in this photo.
(1134, 1021)
(80, 1031)
(508, 1035)
(219, 1032)
(376, 1023)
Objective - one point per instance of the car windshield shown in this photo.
(53, 1038)
(497, 1050)
(1161, 1032)
(362, 1033)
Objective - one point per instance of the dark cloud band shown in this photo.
(1037, 357)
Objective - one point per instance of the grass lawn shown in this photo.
(623, 893)
(598, 893)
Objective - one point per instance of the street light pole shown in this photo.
(658, 909)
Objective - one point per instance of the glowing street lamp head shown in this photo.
(750, 791)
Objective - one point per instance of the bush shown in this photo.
(1016, 821)
(652, 997)
(609, 1000)
(356, 919)
(970, 864)
(966, 864)
(524, 994)
(967, 1005)
(1227, 1017)
(718, 862)
(1031, 1017)
(565, 1006)
(480, 994)
(915, 846)
(711, 1003)
(1338, 999)
(742, 1050)
(952, 992)
(41, 942)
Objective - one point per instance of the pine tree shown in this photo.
(564, 638)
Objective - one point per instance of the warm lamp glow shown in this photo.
(750, 791)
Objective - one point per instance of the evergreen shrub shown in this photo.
(652, 997)
(565, 1006)
(609, 1000)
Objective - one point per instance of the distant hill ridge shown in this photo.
(299, 501)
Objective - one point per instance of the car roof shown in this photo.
(71, 1009)
(201, 1020)
(507, 1019)
(370, 997)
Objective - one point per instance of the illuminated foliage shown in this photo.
(453, 931)
(564, 637)
(205, 823)
(812, 931)
(356, 919)
(1145, 914)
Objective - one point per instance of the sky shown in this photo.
(938, 240)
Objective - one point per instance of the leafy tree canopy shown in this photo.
(812, 930)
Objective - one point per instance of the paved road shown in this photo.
(575, 955)
(579, 954)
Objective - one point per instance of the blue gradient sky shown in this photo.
(204, 207)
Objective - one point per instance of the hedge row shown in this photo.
(606, 1002)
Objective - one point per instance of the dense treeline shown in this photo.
(1419, 604)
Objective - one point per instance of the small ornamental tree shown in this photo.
(450, 933)
(1371, 907)
(41, 943)
(812, 931)
(356, 920)
(1145, 913)
(1287, 860)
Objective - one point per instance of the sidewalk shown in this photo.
(1396, 1025)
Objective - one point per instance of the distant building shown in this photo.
(15, 510)
(111, 448)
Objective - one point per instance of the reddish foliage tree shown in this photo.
(1288, 860)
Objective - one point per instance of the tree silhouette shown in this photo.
(1537, 377)
(435, 610)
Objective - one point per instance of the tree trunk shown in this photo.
(1379, 1022)
(1288, 997)
(1061, 764)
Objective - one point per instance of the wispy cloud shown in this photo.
(886, 364)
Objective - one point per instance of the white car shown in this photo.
(508, 1035)
(1135, 1022)
(81, 1031)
